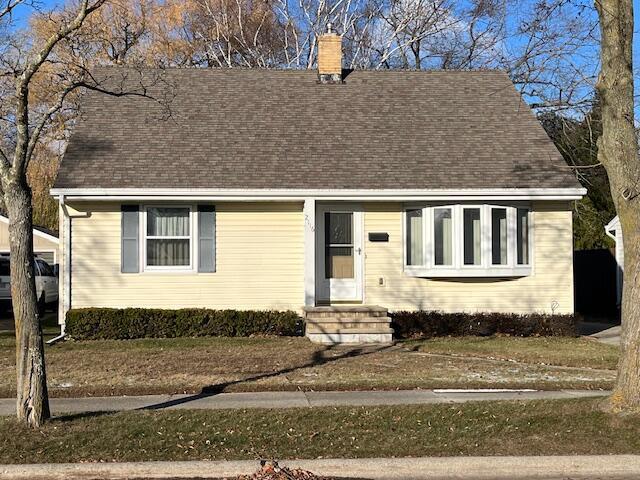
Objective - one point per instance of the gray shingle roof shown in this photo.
(281, 129)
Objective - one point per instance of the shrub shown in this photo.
(127, 323)
(437, 324)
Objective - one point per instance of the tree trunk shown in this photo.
(618, 152)
(32, 397)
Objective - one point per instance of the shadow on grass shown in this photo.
(70, 417)
(319, 358)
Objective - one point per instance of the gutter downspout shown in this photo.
(55, 340)
(65, 275)
(608, 231)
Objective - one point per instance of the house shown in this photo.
(45, 242)
(614, 230)
(343, 194)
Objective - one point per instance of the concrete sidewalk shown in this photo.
(294, 399)
(476, 468)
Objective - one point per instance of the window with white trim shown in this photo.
(168, 240)
(467, 240)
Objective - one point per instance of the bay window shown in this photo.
(467, 240)
(499, 248)
(415, 239)
(442, 236)
(472, 236)
(522, 235)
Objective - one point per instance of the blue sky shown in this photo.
(47, 4)
(21, 17)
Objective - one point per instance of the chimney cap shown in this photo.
(330, 27)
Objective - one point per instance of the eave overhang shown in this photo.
(222, 194)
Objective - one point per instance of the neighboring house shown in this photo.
(614, 230)
(45, 242)
(358, 190)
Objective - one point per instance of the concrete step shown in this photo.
(345, 314)
(354, 331)
(346, 308)
(335, 327)
(348, 319)
(354, 324)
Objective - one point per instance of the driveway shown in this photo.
(608, 332)
(6, 324)
(610, 336)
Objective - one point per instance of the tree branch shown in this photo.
(23, 143)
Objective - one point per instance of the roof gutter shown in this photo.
(177, 194)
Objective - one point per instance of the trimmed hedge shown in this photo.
(128, 323)
(425, 324)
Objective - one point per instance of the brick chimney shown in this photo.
(330, 57)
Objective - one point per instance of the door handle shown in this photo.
(359, 250)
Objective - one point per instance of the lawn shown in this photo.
(562, 351)
(188, 365)
(484, 428)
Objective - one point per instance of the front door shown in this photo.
(339, 254)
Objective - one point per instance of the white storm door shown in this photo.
(339, 254)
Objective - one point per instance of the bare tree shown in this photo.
(237, 33)
(23, 67)
(618, 152)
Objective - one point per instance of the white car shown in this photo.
(46, 284)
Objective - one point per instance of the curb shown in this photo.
(443, 468)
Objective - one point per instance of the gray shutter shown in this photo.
(206, 238)
(130, 239)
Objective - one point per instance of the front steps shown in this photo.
(348, 324)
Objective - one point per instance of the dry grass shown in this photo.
(571, 427)
(563, 351)
(252, 364)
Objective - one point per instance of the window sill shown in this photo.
(169, 271)
(508, 272)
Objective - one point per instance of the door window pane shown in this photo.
(522, 236)
(443, 236)
(472, 236)
(339, 262)
(415, 245)
(499, 236)
(338, 228)
(338, 234)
